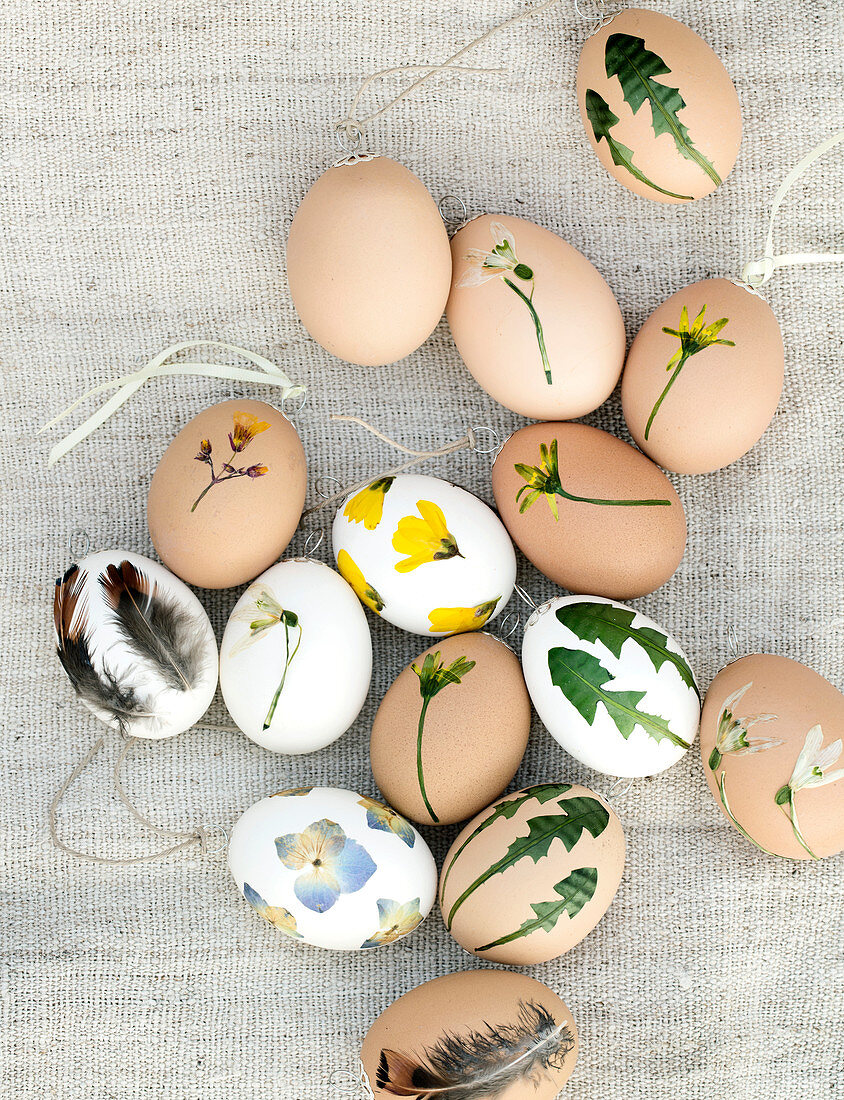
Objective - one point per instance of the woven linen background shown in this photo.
(153, 154)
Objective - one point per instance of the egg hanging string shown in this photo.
(757, 272)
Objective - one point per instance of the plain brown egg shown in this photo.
(227, 494)
(618, 550)
(698, 412)
(766, 722)
(473, 734)
(368, 261)
(658, 107)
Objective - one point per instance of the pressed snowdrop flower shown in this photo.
(396, 920)
(425, 539)
(352, 575)
(812, 769)
(457, 620)
(731, 737)
(262, 612)
(367, 506)
(381, 817)
(277, 915)
(330, 864)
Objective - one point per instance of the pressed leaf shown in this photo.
(583, 679)
(636, 66)
(602, 622)
(602, 119)
(579, 814)
(575, 890)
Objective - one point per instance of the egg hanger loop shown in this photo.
(452, 224)
(345, 1082)
(600, 17)
(81, 537)
(732, 642)
(618, 789)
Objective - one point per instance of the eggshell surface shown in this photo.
(622, 539)
(534, 321)
(424, 555)
(658, 107)
(529, 877)
(511, 1037)
(296, 658)
(227, 494)
(452, 729)
(148, 638)
(700, 396)
(771, 746)
(611, 686)
(332, 868)
(368, 262)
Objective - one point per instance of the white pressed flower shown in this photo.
(262, 612)
(502, 258)
(731, 737)
(813, 763)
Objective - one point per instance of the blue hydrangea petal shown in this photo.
(318, 889)
(353, 867)
(291, 851)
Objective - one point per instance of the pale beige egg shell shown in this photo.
(712, 113)
(800, 698)
(241, 526)
(598, 550)
(724, 397)
(368, 262)
(459, 1003)
(496, 336)
(474, 738)
(503, 902)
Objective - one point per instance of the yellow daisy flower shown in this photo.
(368, 504)
(457, 620)
(353, 576)
(424, 540)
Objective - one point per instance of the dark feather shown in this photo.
(102, 693)
(156, 628)
(482, 1064)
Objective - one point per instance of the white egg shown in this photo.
(296, 658)
(136, 644)
(425, 555)
(333, 868)
(611, 686)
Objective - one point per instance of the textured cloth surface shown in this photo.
(153, 155)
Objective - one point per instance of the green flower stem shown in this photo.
(288, 658)
(540, 337)
(683, 360)
(795, 827)
(722, 787)
(419, 772)
(561, 492)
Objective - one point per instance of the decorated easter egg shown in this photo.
(771, 743)
(332, 868)
(135, 643)
(536, 324)
(590, 511)
(368, 261)
(487, 1034)
(610, 685)
(703, 377)
(424, 555)
(532, 874)
(296, 658)
(658, 106)
(227, 494)
(452, 729)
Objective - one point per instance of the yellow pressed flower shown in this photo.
(246, 427)
(368, 504)
(424, 540)
(353, 576)
(457, 620)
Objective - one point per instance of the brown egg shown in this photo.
(658, 106)
(536, 324)
(767, 723)
(368, 262)
(452, 729)
(532, 874)
(698, 412)
(488, 1034)
(227, 494)
(622, 535)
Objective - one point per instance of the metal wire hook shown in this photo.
(452, 221)
(618, 789)
(215, 828)
(496, 444)
(303, 400)
(348, 136)
(345, 1082)
(319, 485)
(529, 600)
(79, 533)
(515, 621)
(732, 641)
(311, 546)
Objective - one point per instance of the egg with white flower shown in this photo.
(296, 658)
(332, 868)
(424, 554)
(771, 745)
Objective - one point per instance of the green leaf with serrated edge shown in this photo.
(582, 679)
(580, 814)
(599, 114)
(603, 622)
(575, 890)
(542, 792)
(627, 58)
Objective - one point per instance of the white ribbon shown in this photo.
(158, 367)
(758, 272)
